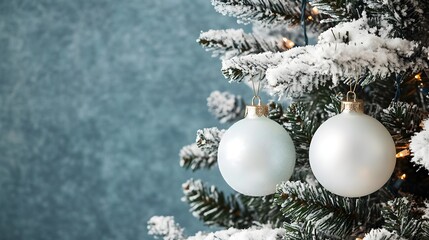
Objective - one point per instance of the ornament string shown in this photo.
(256, 91)
(353, 89)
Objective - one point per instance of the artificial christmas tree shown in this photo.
(381, 48)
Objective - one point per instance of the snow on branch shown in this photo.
(267, 12)
(208, 140)
(257, 232)
(225, 106)
(402, 120)
(420, 147)
(405, 217)
(235, 42)
(214, 207)
(192, 157)
(329, 213)
(382, 234)
(345, 51)
(165, 227)
(251, 66)
(404, 18)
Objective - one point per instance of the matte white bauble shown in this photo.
(256, 153)
(352, 154)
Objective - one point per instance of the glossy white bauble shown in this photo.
(255, 154)
(352, 154)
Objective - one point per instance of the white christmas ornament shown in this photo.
(256, 153)
(352, 154)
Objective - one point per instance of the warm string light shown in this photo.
(287, 43)
(403, 153)
(310, 18)
(314, 11)
(399, 181)
(418, 76)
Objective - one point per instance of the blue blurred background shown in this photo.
(96, 100)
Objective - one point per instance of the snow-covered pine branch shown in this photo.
(403, 216)
(208, 140)
(225, 106)
(340, 10)
(235, 42)
(213, 207)
(402, 120)
(266, 12)
(165, 228)
(250, 67)
(192, 157)
(343, 52)
(404, 18)
(419, 146)
(331, 214)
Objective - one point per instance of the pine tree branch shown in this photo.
(192, 157)
(214, 208)
(250, 67)
(403, 216)
(348, 50)
(265, 12)
(339, 10)
(231, 43)
(402, 18)
(235, 210)
(264, 209)
(226, 107)
(208, 140)
(402, 120)
(331, 214)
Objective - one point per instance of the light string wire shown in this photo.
(304, 27)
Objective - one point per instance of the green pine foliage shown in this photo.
(403, 216)
(234, 210)
(323, 212)
(262, 11)
(402, 120)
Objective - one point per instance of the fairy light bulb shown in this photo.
(314, 11)
(418, 76)
(287, 43)
(403, 153)
(403, 176)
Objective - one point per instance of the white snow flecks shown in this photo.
(275, 12)
(253, 233)
(165, 227)
(382, 234)
(419, 146)
(235, 42)
(225, 106)
(344, 51)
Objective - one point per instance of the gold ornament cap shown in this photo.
(260, 110)
(352, 105)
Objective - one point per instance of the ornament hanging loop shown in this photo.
(260, 109)
(259, 100)
(353, 94)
